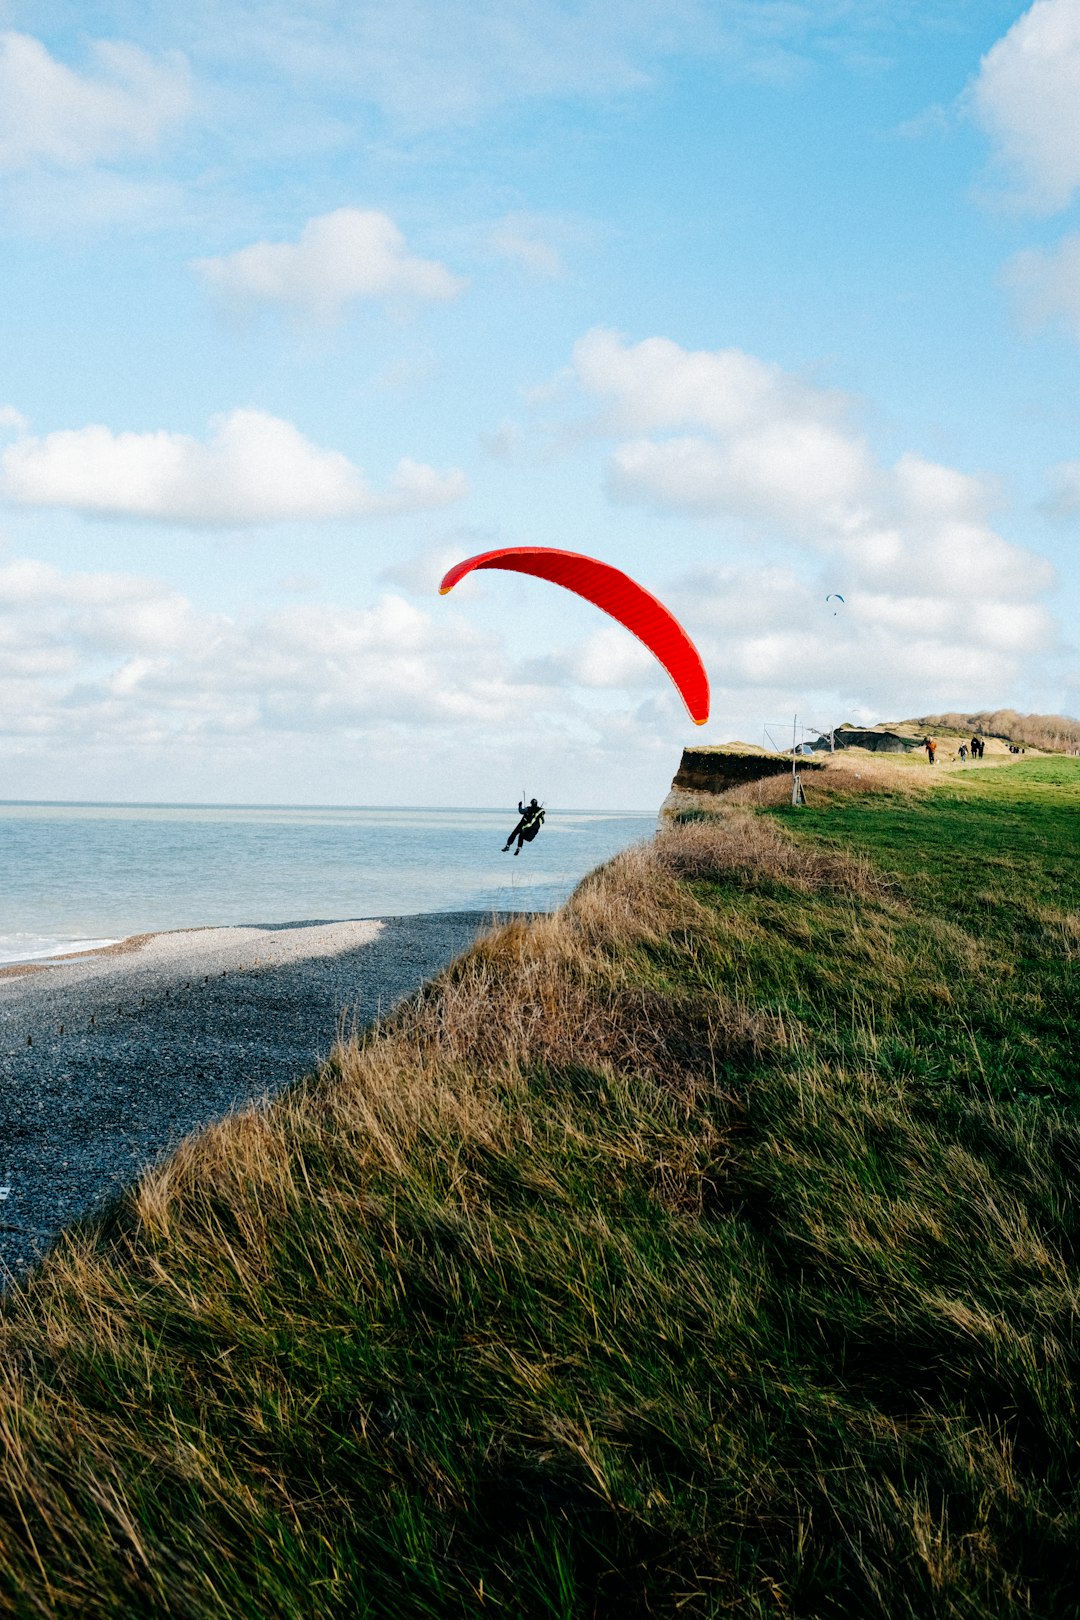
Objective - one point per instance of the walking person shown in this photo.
(931, 749)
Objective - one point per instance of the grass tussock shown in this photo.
(759, 850)
(707, 1248)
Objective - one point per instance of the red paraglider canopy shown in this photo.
(616, 593)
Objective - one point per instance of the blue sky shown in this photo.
(759, 300)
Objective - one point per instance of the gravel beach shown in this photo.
(107, 1060)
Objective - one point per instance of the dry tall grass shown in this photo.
(847, 774)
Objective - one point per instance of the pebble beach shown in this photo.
(108, 1059)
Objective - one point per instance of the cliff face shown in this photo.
(705, 773)
(714, 770)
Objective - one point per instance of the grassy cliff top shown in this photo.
(1037, 733)
(710, 1247)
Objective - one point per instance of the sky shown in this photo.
(762, 301)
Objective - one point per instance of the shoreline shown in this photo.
(115, 947)
(108, 1058)
(229, 940)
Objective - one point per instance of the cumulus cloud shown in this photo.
(55, 624)
(933, 591)
(1026, 96)
(761, 441)
(348, 254)
(779, 469)
(51, 114)
(115, 685)
(253, 468)
(125, 662)
(766, 447)
(772, 644)
(1047, 284)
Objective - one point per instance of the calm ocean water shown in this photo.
(79, 874)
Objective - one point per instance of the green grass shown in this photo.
(709, 1249)
(991, 862)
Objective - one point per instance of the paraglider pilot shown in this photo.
(532, 817)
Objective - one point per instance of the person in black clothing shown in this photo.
(532, 817)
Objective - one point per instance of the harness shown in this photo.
(530, 823)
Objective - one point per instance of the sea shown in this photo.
(79, 876)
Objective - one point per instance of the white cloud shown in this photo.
(1027, 96)
(330, 703)
(55, 624)
(253, 468)
(51, 114)
(784, 469)
(933, 592)
(609, 659)
(779, 453)
(772, 445)
(127, 663)
(656, 384)
(772, 644)
(1047, 284)
(348, 254)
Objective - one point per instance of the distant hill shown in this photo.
(1053, 733)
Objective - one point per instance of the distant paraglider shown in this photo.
(615, 593)
(834, 597)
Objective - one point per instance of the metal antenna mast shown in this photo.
(796, 780)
